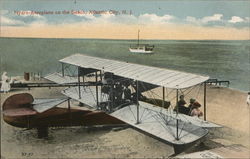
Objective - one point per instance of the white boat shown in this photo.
(141, 48)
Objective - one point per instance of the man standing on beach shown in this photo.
(5, 87)
(248, 99)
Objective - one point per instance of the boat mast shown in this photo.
(138, 37)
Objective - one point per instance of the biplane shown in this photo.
(116, 97)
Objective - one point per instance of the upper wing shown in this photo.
(153, 75)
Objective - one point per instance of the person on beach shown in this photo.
(248, 99)
(5, 87)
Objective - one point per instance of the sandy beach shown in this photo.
(225, 106)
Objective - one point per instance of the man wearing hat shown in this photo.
(191, 102)
(181, 106)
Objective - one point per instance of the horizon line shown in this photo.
(125, 39)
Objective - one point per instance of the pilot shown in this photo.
(182, 101)
(127, 93)
(119, 91)
(181, 106)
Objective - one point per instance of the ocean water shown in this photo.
(225, 60)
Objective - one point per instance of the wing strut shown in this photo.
(163, 97)
(205, 100)
(137, 102)
(69, 109)
(79, 89)
(63, 69)
(97, 99)
(177, 111)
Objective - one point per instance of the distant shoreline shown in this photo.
(182, 40)
(21, 79)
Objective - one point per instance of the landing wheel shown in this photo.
(42, 132)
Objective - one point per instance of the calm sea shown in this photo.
(225, 60)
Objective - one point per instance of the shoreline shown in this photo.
(21, 78)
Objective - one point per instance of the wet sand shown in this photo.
(225, 106)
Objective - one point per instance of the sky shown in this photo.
(121, 19)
